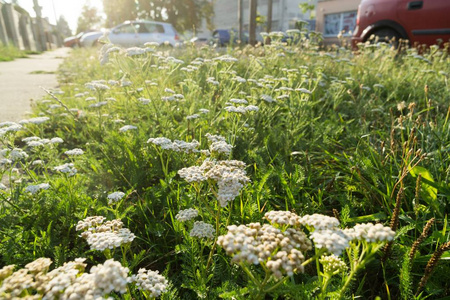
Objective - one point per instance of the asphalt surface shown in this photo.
(21, 81)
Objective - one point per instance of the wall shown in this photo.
(284, 14)
(19, 29)
(11, 21)
(328, 7)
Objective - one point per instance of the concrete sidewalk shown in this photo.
(21, 79)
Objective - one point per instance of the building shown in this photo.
(334, 17)
(20, 30)
(285, 14)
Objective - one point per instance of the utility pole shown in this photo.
(269, 15)
(252, 22)
(240, 13)
(39, 27)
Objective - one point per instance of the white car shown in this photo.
(135, 33)
(91, 39)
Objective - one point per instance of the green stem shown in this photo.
(8, 200)
(347, 282)
(250, 275)
(213, 248)
(324, 286)
(275, 285)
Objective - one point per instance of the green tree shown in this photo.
(119, 11)
(89, 18)
(63, 27)
(182, 14)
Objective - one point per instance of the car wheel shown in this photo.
(386, 35)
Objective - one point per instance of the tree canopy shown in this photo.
(182, 14)
(89, 18)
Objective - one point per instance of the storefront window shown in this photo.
(341, 22)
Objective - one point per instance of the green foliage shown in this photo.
(89, 19)
(9, 52)
(337, 138)
(183, 14)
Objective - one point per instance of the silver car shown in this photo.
(135, 33)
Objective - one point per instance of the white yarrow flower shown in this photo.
(74, 152)
(115, 197)
(127, 128)
(187, 214)
(202, 230)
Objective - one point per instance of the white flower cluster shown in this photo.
(71, 282)
(34, 141)
(226, 58)
(133, 51)
(281, 217)
(303, 90)
(370, 232)
(100, 281)
(318, 221)
(238, 101)
(6, 271)
(15, 284)
(212, 81)
(241, 109)
(192, 117)
(74, 152)
(332, 264)
(36, 121)
(6, 127)
(229, 175)
(99, 104)
(127, 128)
(176, 145)
(186, 214)
(14, 155)
(202, 230)
(90, 222)
(61, 278)
(115, 197)
(192, 174)
(33, 189)
(252, 108)
(39, 265)
(333, 240)
(151, 281)
(97, 85)
(236, 109)
(67, 168)
(221, 147)
(144, 100)
(214, 138)
(255, 243)
(101, 236)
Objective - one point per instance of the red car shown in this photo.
(419, 21)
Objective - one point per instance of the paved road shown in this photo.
(21, 79)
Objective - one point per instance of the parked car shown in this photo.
(74, 41)
(91, 39)
(136, 33)
(419, 21)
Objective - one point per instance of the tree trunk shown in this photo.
(269, 15)
(252, 22)
(240, 12)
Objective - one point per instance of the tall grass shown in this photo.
(9, 52)
(336, 132)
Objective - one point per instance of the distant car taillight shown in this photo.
(177, 37)
(357, 15)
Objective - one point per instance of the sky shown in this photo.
(70, 9)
